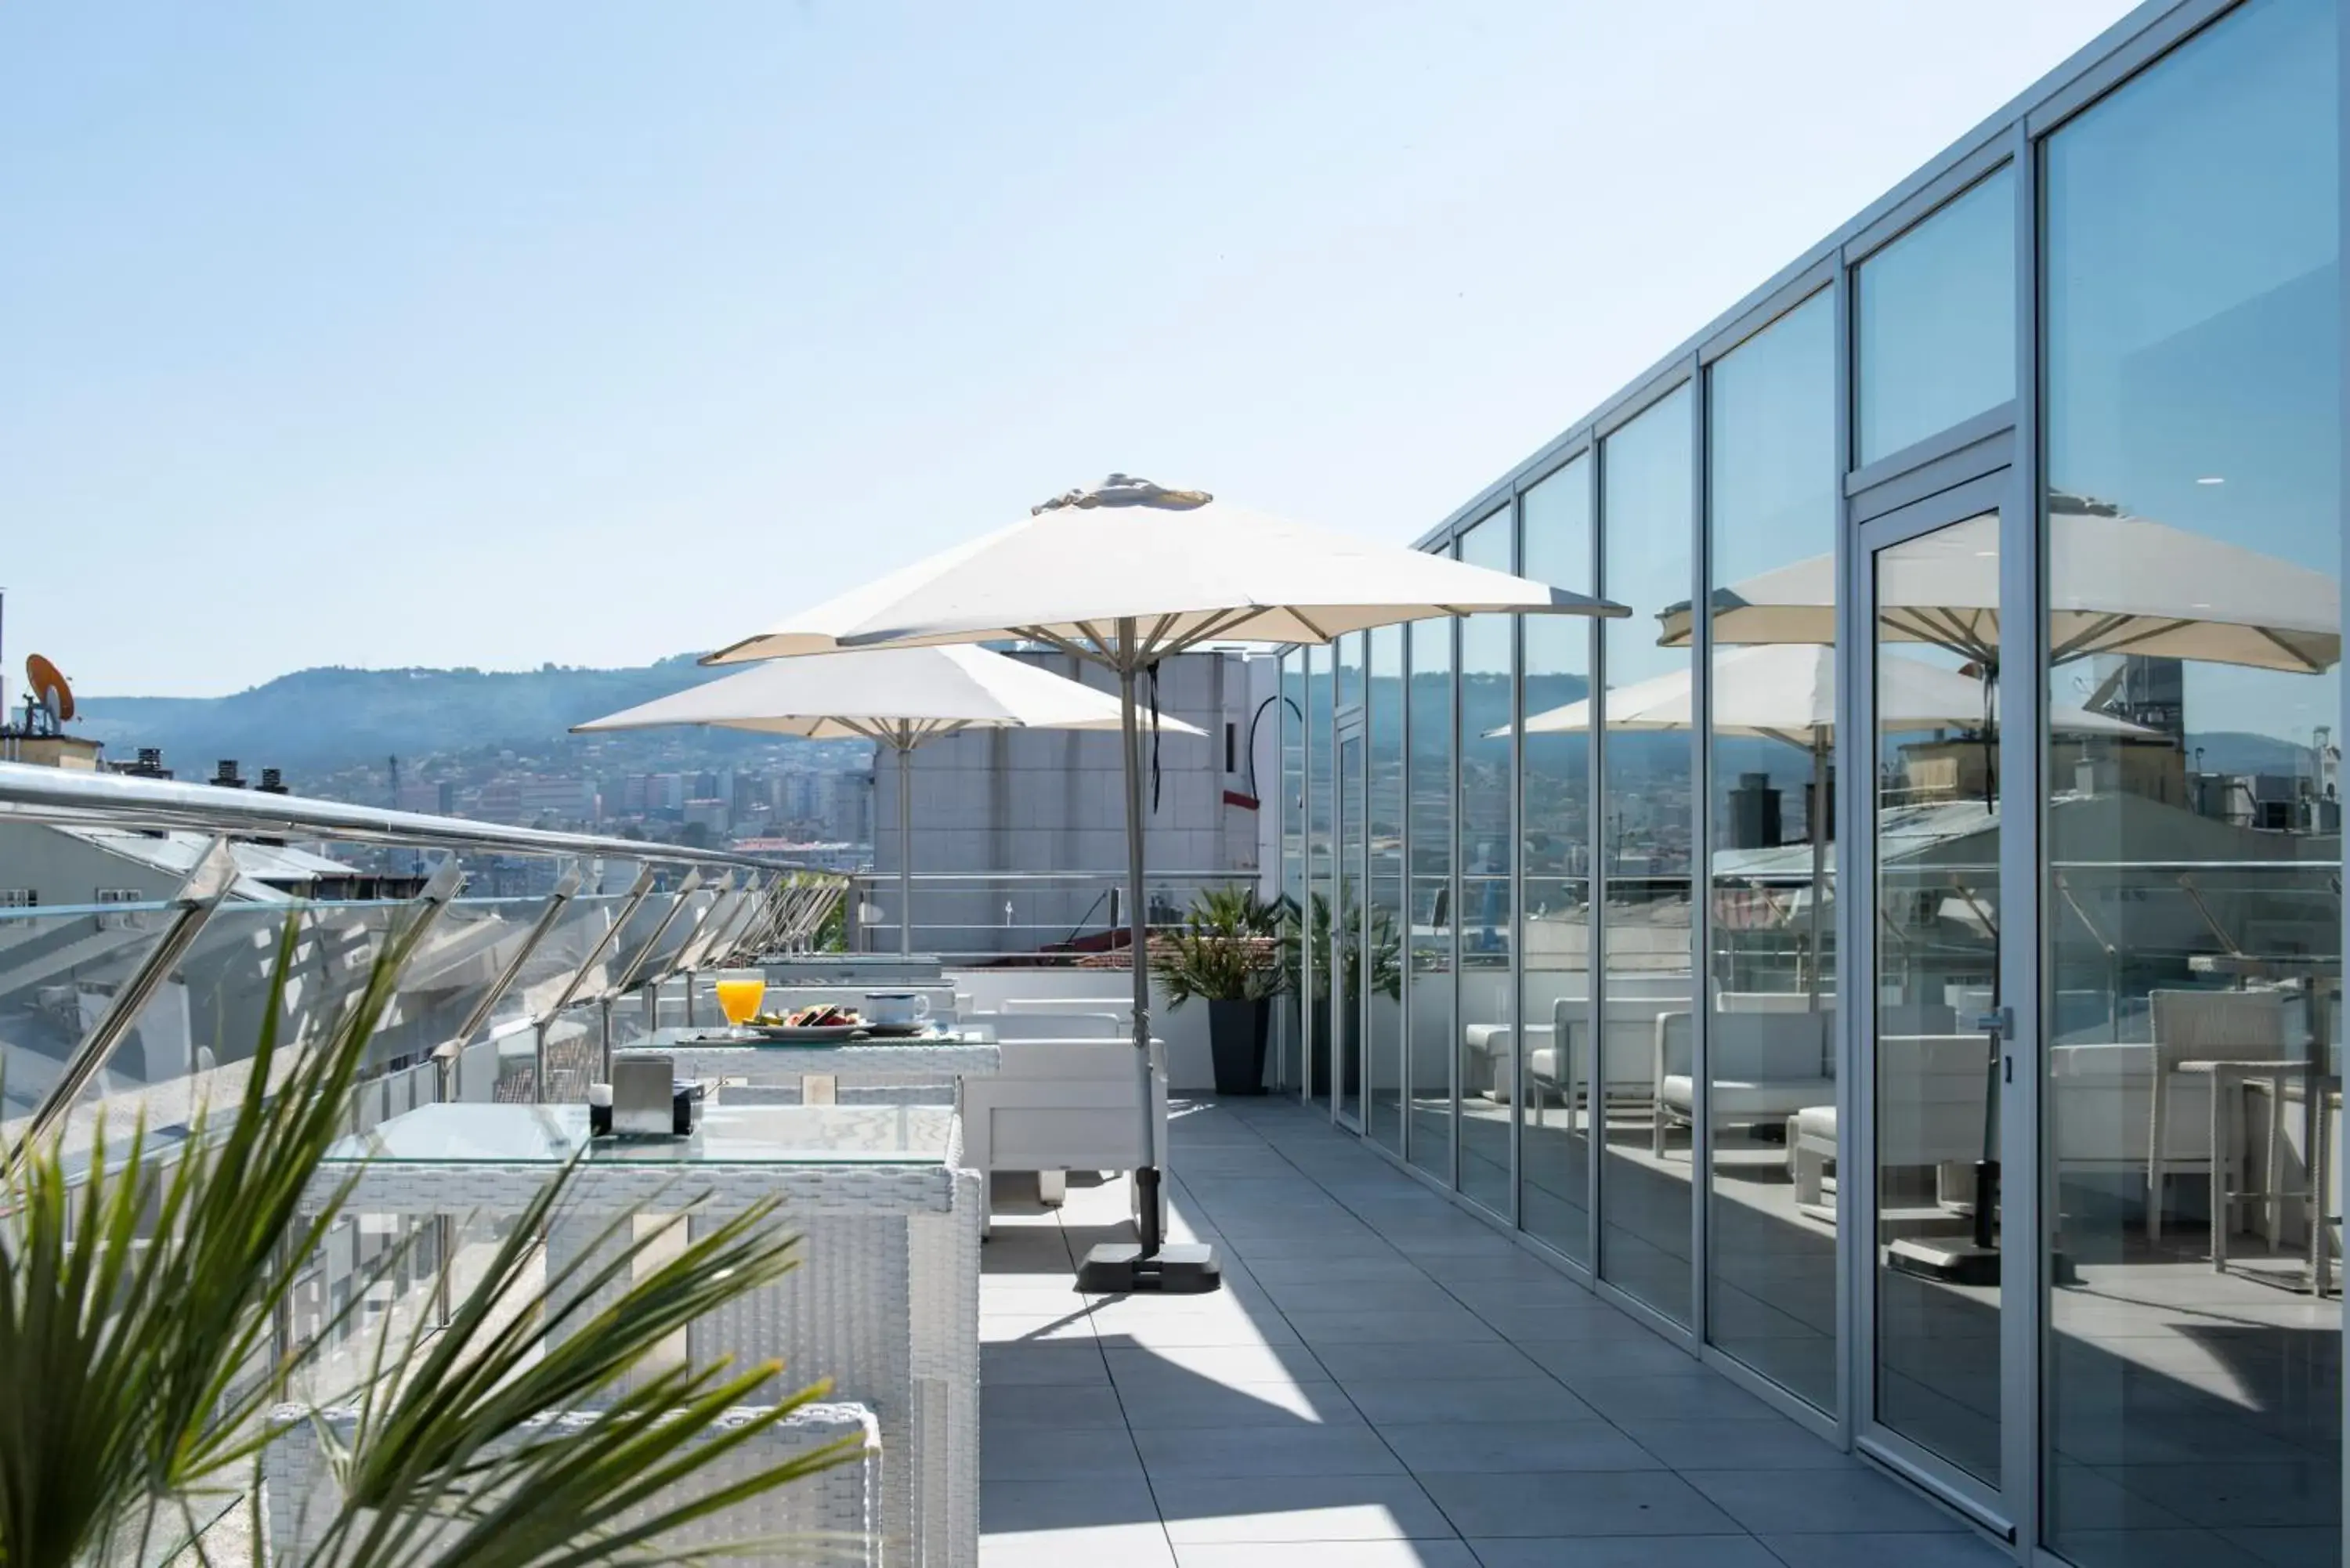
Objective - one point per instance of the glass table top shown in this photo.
(747, 1135)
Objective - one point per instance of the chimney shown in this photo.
(273, 782)
(227, 777)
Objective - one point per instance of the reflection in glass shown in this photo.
(1346, 929)
(1555, 834)
(1772, 1046)
(1935, 843)
(1934, 321)
(1429, 800)
(1288, 1007)
(1383, 911)
(1488, 666)
(1313, 934)
(2194, 910)
(1645, 817)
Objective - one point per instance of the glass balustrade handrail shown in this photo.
(71, 798)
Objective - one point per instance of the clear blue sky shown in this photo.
(453, 333)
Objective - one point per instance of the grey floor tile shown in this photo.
(1205, 1511)
(1453, 1324)
(1963, 1550)
(1128, 1545)
(1066, 1405)
(1179, 1399)
(1420, 1294)
(1590, 1502)
(1856, 1501)
(1218, 1362)
(1705, 1398)
(1412, 1401)
(1736, 1446)
(1367, 1362)
(1046, 1454)
(1475, 1447)
(1265, 1451)
(1004, 1365)
(1329, 1554)
(1571, 1361)
(1020, 1508)
(1625, 1552)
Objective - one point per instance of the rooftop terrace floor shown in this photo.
(1384, 1381)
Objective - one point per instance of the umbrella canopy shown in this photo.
(900, 697)
(1787, 692)
(894, 695)
(1126, 574)
(1185, 567)
(2158, 590)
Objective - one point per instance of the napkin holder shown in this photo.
(645, 1099)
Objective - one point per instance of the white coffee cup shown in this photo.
(896, 1007)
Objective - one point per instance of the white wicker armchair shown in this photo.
(836, 1513)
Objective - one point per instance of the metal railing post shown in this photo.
(452, 1051)
(215, 873)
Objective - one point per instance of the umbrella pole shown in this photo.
(905, 847)
(1114, 1268)
(1137, 927)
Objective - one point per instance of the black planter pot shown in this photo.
(1237, 1031)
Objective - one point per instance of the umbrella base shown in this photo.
(1179, 1269)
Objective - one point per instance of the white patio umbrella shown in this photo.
(2135, 585)
(1787, 692)
(1124, 574)
(898, 698)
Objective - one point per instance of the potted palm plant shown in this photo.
(142, 1283)
(1226, 953)
(1375, 958)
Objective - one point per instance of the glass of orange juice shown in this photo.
(739, 997)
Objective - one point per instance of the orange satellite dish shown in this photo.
(49, 688)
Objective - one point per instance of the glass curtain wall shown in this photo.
(1383, 927)
(1289, 1027)
(1647, 822)
(1554, 872)
(2193, 933)
(1488, 1046)
(1428, 926)
(1311, 948)
(1771, 457)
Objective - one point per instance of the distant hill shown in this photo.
(315, 720)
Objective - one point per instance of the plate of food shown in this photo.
(819, 1024)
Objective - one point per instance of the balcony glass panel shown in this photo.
(1427, 1063)
(1488, 983)
(1645, 817)
(1554, 871)
(1383, 918)
(1771, 442)
(1934, 322)
(2193, 927)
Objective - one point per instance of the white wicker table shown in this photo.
(885, 1299)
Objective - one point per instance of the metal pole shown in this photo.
(905, 847)
(1146, 1179)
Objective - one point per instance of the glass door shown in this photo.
(1347, 916)
(1922, 747)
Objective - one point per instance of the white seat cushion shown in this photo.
(1745, 1097)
